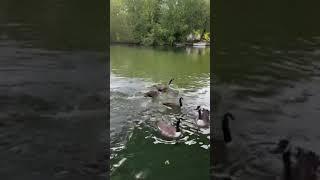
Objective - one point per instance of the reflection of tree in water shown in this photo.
(197, 51)
(54, 24)
(189, 70)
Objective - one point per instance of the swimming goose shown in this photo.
(152, 93)
(225, 127)
(174, 105)
(169, 130)
(203, 118)
(223, 145)
(305, 165)
(163, 88)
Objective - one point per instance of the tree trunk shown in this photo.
(202, 34)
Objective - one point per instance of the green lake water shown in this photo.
(138, 151)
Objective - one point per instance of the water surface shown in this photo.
(267, 74)
(52, 90)
(138, 151)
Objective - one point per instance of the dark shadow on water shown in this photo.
(52, 89)
(266, 69)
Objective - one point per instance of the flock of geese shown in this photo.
(299, 164)
(174, 131)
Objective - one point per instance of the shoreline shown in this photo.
(184, 44)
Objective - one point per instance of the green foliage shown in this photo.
(158, 22)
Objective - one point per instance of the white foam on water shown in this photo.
(118, 148)
(140, 175)
(205, 131)
(162, 141)
(205, 146)
(185, 138)
(120, 163)
(191, 142)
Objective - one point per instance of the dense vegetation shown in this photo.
(159, 22)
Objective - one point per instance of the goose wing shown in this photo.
(205, 114)
(166, 129)
(169, 104)
(151, 93)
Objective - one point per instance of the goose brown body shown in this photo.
(169, 130)
(174, 105)
(162, 87)
(152, 93)
(203, 118)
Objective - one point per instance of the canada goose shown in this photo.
(203, 118)
(223, 144)
(169, 130)
(174, 105)
(152, 93)
(163, 88)
(225, 127)
(305, 164)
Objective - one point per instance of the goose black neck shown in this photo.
(225, 122)
(225, 127)
(170, 81)
(287, 164)
(178, 126)
(180, 102)
(199, 112)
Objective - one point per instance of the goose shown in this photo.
(169, 130)
(152, 93)
(225, 127)
(223, 145)
(305, 165)
(174, 105)
(202, 120)
(163, 88)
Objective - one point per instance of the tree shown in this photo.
(158, 22)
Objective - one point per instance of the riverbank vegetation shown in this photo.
(159, 22)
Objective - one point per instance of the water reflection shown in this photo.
(266, 71)
(57, 24)
(52, 89)
(161, 65)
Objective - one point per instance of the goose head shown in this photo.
(170, 81)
